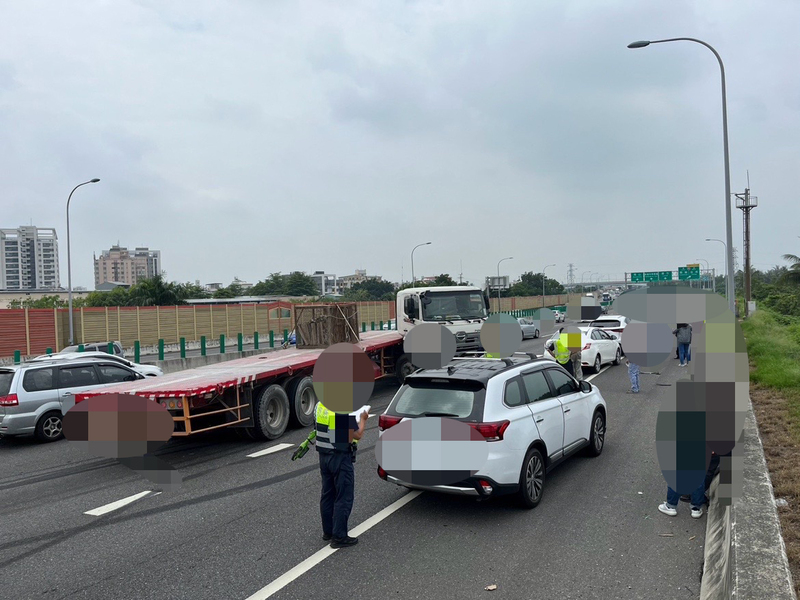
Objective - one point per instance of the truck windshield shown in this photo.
(447, 306)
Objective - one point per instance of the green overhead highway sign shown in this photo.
(651, 276)
(689, 273)
(665, 275)
(637, 277)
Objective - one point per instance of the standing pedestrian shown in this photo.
(335, 434)
(684, 334)
(633, 373)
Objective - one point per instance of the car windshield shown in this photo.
(605, 323)
(428, 397)
(5, 382)
(445, 306)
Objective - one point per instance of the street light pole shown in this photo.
(705, 261)
(413, 279)
(543, 270)
(498, 279)
(728, 227)
(593, 279)
(69, 262)
(582, 276)
(726, 266)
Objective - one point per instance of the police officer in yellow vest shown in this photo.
(562, 352)
(335, 434)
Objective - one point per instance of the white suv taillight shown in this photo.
(485, 486)
(587, 346)
(10, 400)
(493, 432)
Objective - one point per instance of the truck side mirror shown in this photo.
(410, 307)
(486, 301)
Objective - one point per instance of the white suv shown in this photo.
(531, 411)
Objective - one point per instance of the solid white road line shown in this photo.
(96, 512)
(590, 377)
(316, 558)
(270, 450)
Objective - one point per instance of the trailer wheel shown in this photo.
(403, 368)
(271, 412)
(302, 400)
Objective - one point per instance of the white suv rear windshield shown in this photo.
(443, 398)
(605, 323)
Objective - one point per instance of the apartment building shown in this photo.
(360, 276)
(29, 259)
(120, 265)
(326, 283)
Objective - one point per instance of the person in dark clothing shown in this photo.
(684, 334)
(335, 434)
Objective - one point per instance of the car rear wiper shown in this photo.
(438, 414)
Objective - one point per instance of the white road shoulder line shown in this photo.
(316, 558)
(270, 450)
(590, 377)
(96, 512)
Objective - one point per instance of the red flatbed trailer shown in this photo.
(259, 395)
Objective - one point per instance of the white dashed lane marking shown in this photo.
(97, 512)
(270, 450)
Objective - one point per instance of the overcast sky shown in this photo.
(246, 137)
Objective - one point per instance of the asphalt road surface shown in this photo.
(238, 525)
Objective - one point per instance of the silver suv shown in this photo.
(35, 396)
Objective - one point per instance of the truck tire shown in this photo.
(271, 412)
(403, 368)
(302, 401)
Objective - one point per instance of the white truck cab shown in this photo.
(462, 309)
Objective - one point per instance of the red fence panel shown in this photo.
(41, 323)
(12, 331)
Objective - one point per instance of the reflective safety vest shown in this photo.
(562, 350)
(327, 432)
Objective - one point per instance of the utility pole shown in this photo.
(746, 203)
(461, 273)
(570, 274)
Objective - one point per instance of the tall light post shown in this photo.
(69, 262)
(413, 280)
(593, 279)
(582, 276)
(726, 265)
(498, 279)
(543, 270)
(707, 268)
(728, 226)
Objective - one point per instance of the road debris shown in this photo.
(781, 502)
(666, 535)
(691, 538)
(491, 588)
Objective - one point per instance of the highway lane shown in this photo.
(239, 523)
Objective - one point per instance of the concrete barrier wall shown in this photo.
(745, 556)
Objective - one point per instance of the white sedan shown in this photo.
(146, 370)
(598, 348)
(529, 328)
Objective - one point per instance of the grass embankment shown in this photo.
(773, 347)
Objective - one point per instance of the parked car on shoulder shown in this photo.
(146, 370)
(34, 396)
(598, 348)
(531, 412)
(95, 347)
